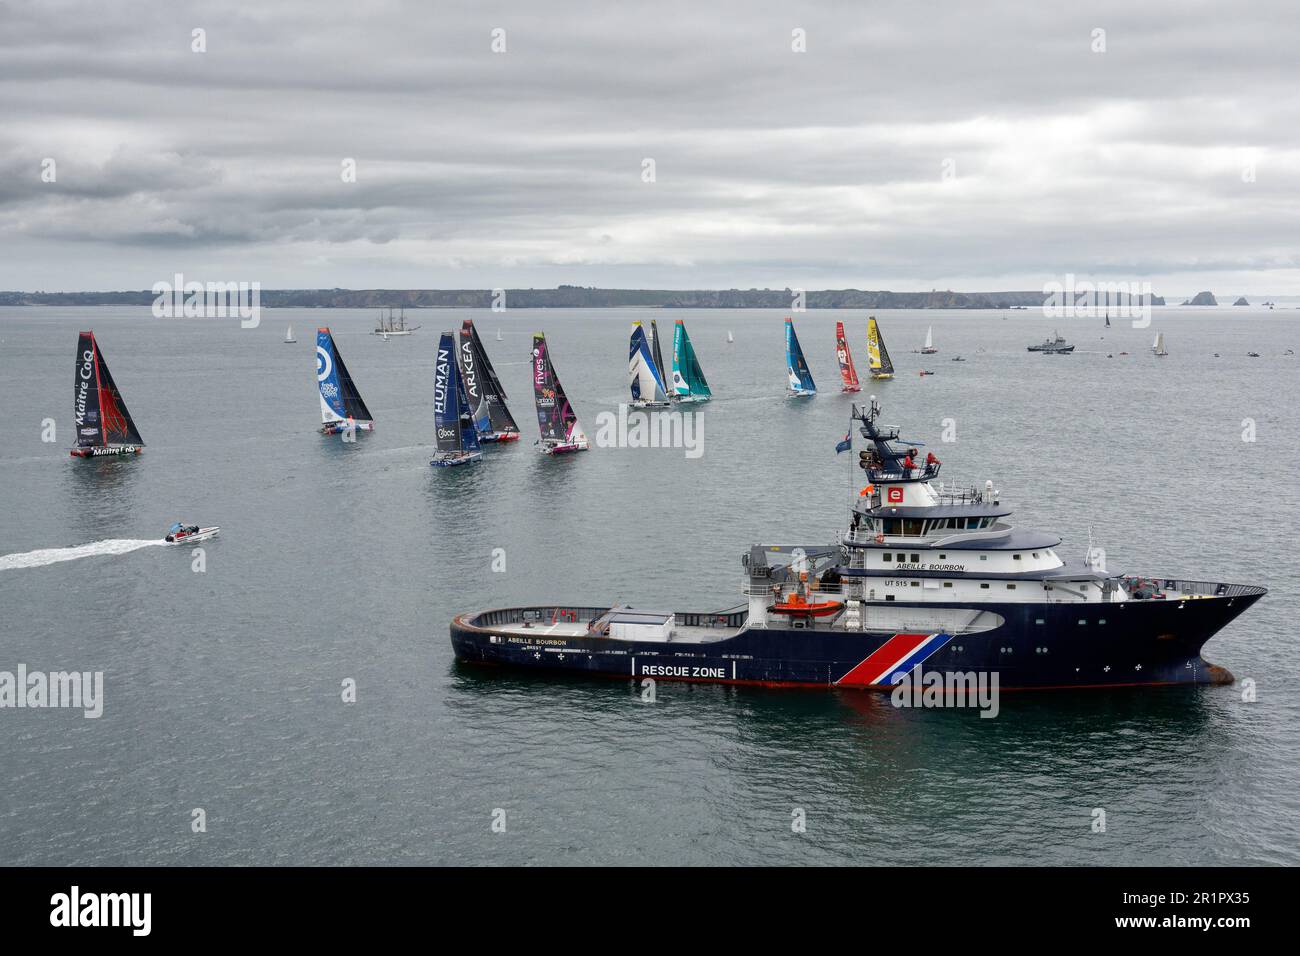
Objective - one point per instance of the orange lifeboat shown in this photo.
(796, 605)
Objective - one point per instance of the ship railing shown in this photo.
(731, 617)
(1174, 588)
(878, 472)
(537, 615)
(859, 537)
(969, 496)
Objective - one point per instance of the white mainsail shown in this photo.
(642, 377)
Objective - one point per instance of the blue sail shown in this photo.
(801, 380)
(327, 377)
(447, 397)
(452, 413)
(339, 399)
(644, 376)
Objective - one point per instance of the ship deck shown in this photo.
(690, 627)
(681, 634)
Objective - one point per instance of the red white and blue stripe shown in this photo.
(898, 655)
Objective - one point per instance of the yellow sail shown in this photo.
(881, 366)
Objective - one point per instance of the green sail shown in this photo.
(689, 383)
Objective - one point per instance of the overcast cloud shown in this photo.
(822, 169)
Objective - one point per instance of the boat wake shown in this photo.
(109, 546)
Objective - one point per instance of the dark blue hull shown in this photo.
(1075, 645)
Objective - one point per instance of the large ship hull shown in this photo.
(1120, 644)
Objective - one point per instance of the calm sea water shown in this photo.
(222, 688)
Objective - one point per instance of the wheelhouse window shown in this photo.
(912, 527)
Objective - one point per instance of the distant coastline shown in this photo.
(575, 297)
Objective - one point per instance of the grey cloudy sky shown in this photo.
(822, 169)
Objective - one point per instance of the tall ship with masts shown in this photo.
(342, 409)
(879, 363)
(925, 575)
(393, 325)
(104, 426)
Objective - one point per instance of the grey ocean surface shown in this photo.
(336, 561)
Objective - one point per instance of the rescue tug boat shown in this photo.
(924, 575)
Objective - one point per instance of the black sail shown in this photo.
(659, 356)
(100, 414)
(498, 414)
(353, 404)
(85, 393)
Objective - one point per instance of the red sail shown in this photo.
(847, 372)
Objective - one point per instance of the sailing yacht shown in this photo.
(288, 336)
(730, 338)
(643, 373)
(878, 355)
(801, 381)
(928, 348)
(1159, 348)
(341, 406)
(104, 426)
(457, 436)
(487, 399)
(689, 383)
(556, 418)
(848, 374)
